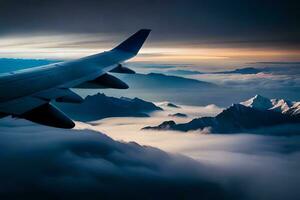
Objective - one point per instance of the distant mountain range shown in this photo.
(186, 72)
(181, 72)
(257, 112)
(172, 105)
(159, 87)
(100, 106)
(246, 70)
(161, 81)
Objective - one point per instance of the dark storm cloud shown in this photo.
(248, 22)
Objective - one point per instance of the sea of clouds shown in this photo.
(43, 162)
(46, 163)
(112, 159)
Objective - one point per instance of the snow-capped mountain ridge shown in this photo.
(278, 105)
(258, 102)
(256, 113)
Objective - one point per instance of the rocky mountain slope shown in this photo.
(100, 106)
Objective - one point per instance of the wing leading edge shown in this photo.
(51, 82)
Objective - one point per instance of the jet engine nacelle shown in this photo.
(122, 70)
(104, 81)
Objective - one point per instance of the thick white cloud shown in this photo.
(261, 166)
(38, 161)
(41, 162)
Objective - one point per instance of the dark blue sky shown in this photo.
(270, 23)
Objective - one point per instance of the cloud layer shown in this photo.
(43, 162)
(256, 166)
(38, 161)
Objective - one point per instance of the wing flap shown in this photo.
(21, 105)
(48, 115)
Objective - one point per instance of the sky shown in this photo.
(85, 161)
(206, 32)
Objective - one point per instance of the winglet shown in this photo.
(134, 42)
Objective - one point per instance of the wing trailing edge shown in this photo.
(48, 115)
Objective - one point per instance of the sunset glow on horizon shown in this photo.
(63, 47)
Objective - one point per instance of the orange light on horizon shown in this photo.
(75, 46)
(194, 54)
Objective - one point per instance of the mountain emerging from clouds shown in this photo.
(178, 115)
(257, 112)
(279, 105)
(100, 106)
(172, 105)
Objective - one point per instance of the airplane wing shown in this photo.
(28, 93)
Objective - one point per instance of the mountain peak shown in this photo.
(258, 96)
(278, 105)
(258, 102)
(166, 125)
(281, 105)
(239, 118)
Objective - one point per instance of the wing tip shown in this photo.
(134, 43)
